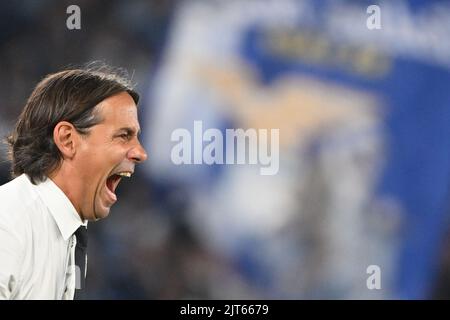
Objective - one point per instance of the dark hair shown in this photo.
(69, 95)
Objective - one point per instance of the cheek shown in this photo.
(116, 154)
(92, 172)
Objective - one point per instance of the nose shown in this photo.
(137, 153)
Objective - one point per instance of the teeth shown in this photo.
(124, 174)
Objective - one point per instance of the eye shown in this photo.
(124, 136)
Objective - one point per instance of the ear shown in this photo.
(65, 137)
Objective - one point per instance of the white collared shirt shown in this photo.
(37, 245)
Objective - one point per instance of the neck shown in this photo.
(63, 177)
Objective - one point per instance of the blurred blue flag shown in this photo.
(364, 119)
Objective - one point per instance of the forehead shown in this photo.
(119, 110)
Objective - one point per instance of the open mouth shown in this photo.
(113, 181)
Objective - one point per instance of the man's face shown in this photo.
(109, 152)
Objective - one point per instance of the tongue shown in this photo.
(111, 184)
(110, 188)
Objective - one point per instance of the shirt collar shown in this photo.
(67, 218)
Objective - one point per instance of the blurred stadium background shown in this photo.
(364, 119)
